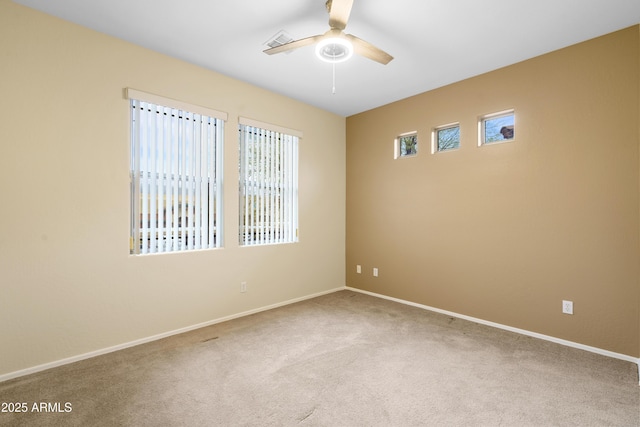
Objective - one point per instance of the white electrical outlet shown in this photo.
(375, 272)
(567, 307)
(358, 269)
(243, 286)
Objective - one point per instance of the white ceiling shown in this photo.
(434, 42)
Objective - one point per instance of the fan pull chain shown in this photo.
(334, 79)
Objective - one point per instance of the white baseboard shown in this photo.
(68, 360)
(509, 328)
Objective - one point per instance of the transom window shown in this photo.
(496, 127)
(176, 175)
(406, 145)
(446, 137)
(268, 184)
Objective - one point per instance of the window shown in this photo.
(446, 137)
(497, 127)
(268, 184)
(176, 175)
(406, 144)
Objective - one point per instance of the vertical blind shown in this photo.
(176, 179)
(268, 186)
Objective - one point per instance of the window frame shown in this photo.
(272, 217)
(188, 214)
(397, 145)
(482, 120)
(435, 141)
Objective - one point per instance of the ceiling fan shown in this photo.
(335, 45)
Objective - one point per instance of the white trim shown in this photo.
(509, 328)
(68, 360)
(268, 126)
(130, 93)
(498, 114)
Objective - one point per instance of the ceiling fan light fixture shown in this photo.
(334, 50)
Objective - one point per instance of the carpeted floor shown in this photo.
(343, 359)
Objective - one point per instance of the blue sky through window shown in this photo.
(501, 128)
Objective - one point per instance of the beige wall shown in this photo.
(505, 232)
(68, 284)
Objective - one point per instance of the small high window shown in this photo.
(406, 145)
(446, 137)
(497, 127)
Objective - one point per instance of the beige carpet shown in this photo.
(344, 359)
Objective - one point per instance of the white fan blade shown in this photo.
(293, 45)
(368, 50)
(339, 13)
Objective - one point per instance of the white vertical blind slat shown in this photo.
(217, 176)
(167, 188)
(134, 246)
(209, 190)
(265, 186)
(244, 191)
(287, 187)
(286, 170)
(152, 200)
(161, 198)
(258, 183)
(281, 195)
(273, 191)
(295, 167)
(174, 183)
(197, 175)
(144, 184)
(184, 184)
